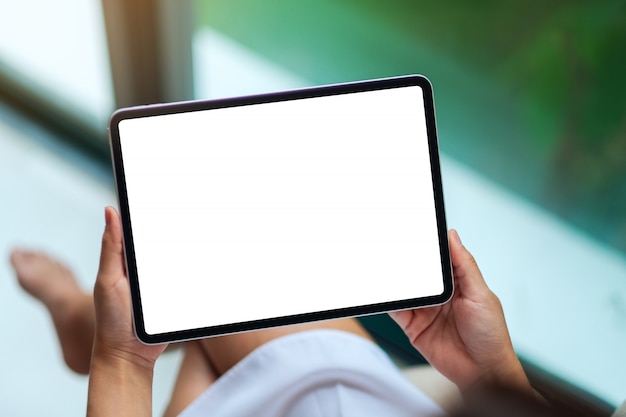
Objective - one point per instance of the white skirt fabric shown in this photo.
(313, 374)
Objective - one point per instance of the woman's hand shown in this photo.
(466, 339)
(120, 377)
(114, 328)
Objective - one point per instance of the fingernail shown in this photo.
(107, 217)
(456, 236)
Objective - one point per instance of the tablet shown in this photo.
(245, 213)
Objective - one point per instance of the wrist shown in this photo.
(509, 374)
(120, 359)
(119, 385)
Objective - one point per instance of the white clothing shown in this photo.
(313, 374)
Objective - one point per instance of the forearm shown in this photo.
(118, 387)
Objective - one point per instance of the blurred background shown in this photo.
(531, 112)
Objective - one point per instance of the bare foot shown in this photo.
(71, 309)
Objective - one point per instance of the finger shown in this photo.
(468, 278)
(111, 256)
(402, 317)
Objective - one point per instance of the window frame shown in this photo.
(150, 53)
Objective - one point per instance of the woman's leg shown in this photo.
(226, 351)
(194, 376)
(70, 308)
(206, 360)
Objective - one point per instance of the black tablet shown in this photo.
(244, 213)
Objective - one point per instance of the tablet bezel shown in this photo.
(191, 106)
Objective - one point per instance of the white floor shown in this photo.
(564, 294)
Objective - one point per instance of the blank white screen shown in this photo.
(276, 209)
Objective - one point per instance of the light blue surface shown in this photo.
(564, 295)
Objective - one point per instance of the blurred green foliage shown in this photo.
(532, 94)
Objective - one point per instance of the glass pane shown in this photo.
(59, 49)
(545, 82)
(531, 108)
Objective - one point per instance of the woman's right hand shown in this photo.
(466, 339)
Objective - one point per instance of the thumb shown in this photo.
(401, 317)
(467, 276)
(112, 254)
